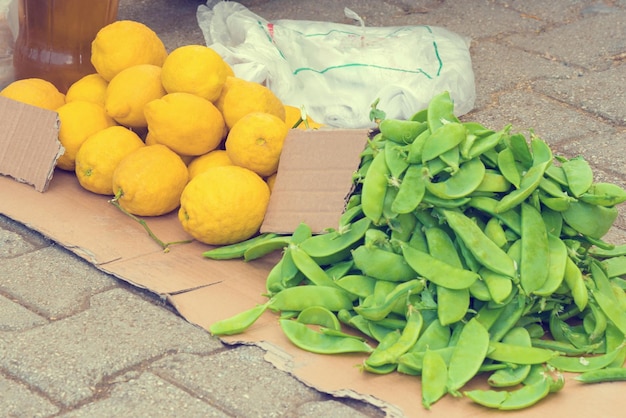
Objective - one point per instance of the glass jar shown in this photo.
(54, 38)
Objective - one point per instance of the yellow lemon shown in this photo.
(100, 154)
(125, 43)
(130, 90)
(240, 97)
(35, 92)
(150, 180)
(256, 141)
(195, 69)
(293, 115)
(224, 205)
(186, 123)
(79, 120)
(215, 158)
(91, 88)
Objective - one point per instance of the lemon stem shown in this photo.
(165, 245)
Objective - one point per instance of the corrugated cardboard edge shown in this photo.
(29, 143)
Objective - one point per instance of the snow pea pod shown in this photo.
(604, 194)
(443, 139)
(434, 378)
(284, 274)
(264, 247)
(591, 220)
(508, 167)
(499, 286)
(395, 157)
(468, 355)
(493, 181)
(512, 374)
(319, 315)
(470, 175)
(335, 246)
(401, 131)
(238, 323)
(435, 336)
(357, 284)
(485, 250)
(440, 111)
(374, 188)
(411, 190)
(378, 311)
(310, 268)
(507, 319)
(382, 264)
(579, 175)
(573, 278)
(238, 249)
(408, 337)
(437, 271)
(484, 144)
(609, 374)
(585, 364)
(299, 298)
(416, 147)
(519, 147)
(611, 309)
(557, 259)
(510, 218)
(316, 342)
(518, 354)
(495, 232)
(535, 250)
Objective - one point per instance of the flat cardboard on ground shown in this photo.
(204, 291)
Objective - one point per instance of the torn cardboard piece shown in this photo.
(29, 144)
(314, 179)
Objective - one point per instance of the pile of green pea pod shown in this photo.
(462, 251)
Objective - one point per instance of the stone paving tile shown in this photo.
(146, 395)
(562, 11)
(16, 239)
(69, 358)
(591, 43)
(32, 278)
(17, 400)
(15, 317)
(330, 408)
(594, 92)
(493, 74)
(526, 110)
(263, 392)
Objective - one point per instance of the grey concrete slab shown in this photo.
(146, 395)
(15, 317)
(18, 400)
(68, 359)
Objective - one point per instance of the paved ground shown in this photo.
(558, 67)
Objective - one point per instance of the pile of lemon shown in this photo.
(163, 131)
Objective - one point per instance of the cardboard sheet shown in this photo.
(204, 291)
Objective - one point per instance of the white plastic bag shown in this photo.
(336, 71)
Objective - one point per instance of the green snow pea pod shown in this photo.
(604, 194)
(264, 247)
(499, 286)
(310, 268)
(390, 195)
(374, 188)
(485, 250)
(443, 139)
(518, 354)
(535, 250)
(357, 284)
(407, 339)
(579, 175)
(350, 214)
(542, 159)
(510, 218)
(553, 221)
(586, 364)
(487, 143)
(284, 274)
(616, 251)
(382, 265)
(551, 187)
(412, 361)
(470, 175)
(335, 246)
(519, 146)
(316, 342)
(420, 115)
(559, 204)
(614, 338)
(507, 319)
(609, 374)
(299, 298)
(564, 347)
(488, 315)
(437, 202)
(468, 355)
(378, 311)
(416, 148)
(452, 160)
(508, 167)
(615, 266)
(493, 181)
(411, 190)
(402, 226)
(495, 232)
(401, 131)
(452, 304)
(557, 259)
(573, 278)
(434, 337)
(526, 396)
(339, 269)
(437, 271)
(395, 157)
(238, 249)
(385, 343)
(592, 220)
(434, 378)
(611, 309)
(600, 322)
(556, 173)
(318, 315)
(440, 111)
(238, 323)
(513, 374)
